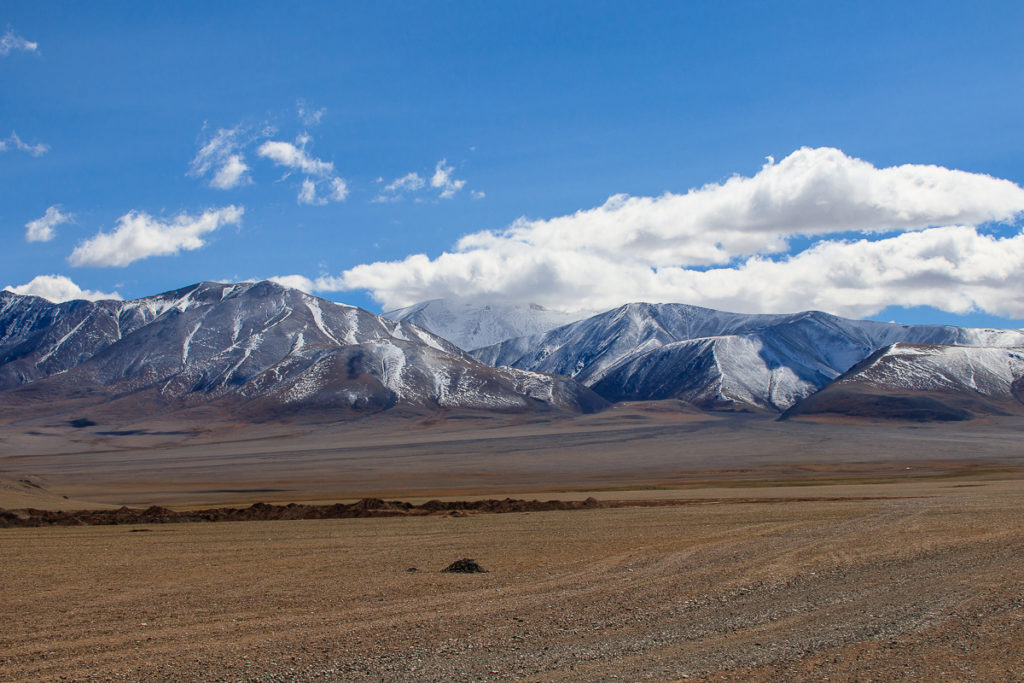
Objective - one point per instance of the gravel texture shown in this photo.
(924, 584)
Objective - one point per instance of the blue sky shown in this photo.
(530, 111)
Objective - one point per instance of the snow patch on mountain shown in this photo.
(712, 358)
(471, 325)
(255, 341)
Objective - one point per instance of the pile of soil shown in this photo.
(466, 565)
(367, 507)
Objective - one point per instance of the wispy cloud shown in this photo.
(221, 156)
(727, 245)
(399, 187)
(58, 288)
(13, 142)
(442, 180)
(12, 42)
(139, 235)
(321, 183)
(309, 117)
(295, 156)
(44, 229)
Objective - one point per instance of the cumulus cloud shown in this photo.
(221, 156)
(812, 192)
(139, 235)
(321, 183)
(11, 42)
(13, 142)
(724, 245)
(44, 229)
(58, 288)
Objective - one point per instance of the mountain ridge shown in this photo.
(249, 342)
(642, 351)
(261, 348)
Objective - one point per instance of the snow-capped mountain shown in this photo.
(248, 342)
(715, 359)
(920, 381)
(470, 325)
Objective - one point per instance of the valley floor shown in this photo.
(194, 462)
(921, 581)
(852, 551)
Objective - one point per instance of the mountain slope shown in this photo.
(257, 344)
(925, 382)
(470, 326)
(715, 359)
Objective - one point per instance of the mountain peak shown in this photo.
(473, 324)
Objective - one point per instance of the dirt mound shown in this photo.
(466, 565)
(367, 507)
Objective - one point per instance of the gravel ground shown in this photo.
(924, 585)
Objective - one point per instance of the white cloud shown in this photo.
(321, 184)
(409, 182)
(339, 189)
(412, 183)
(58, 288)
(307, 195)
(324, 283)
(295, 157)
(11, 41)
(712, 246)
(443, 180)
(43, 229)
(221, 154)
(811, 192)
(309, 117)
(14, 142)
(300, 282)
(396, 189)
(231, 174)
(139, 235)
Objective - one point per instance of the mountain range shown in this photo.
(716, 360)
(258, 348)
(262, 350)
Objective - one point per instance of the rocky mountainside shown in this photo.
(925, 382)
(470, 325)
(715, 359)
(255, 344)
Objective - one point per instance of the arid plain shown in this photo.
(756, 550)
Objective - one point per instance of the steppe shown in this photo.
(756, 550)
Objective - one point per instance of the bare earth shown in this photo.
(851, 568)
